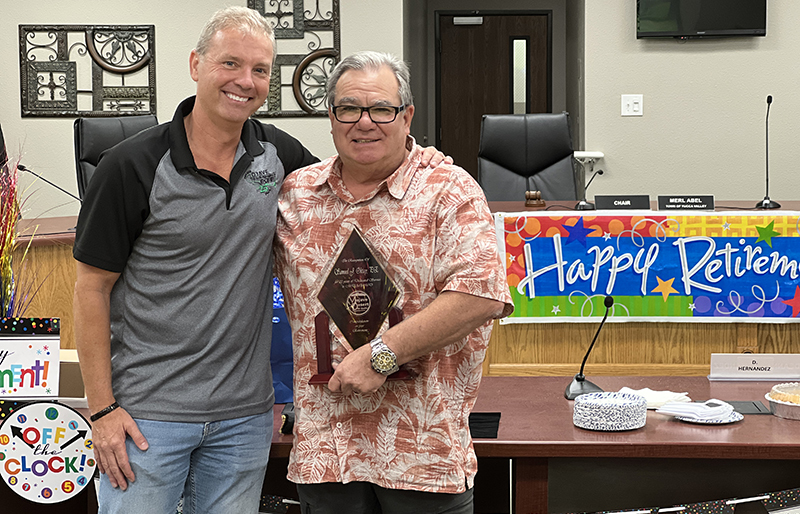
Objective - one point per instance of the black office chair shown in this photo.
(95, 135)
(526, 152)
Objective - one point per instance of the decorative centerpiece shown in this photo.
(15, 293)
(56, 460)
(29, 347)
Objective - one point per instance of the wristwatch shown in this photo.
(383, 359)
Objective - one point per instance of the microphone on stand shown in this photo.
(579, 384)
(766, 203)
(23, 168)
(598, 172)
(585, 158)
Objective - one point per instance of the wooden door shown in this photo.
(475, 76)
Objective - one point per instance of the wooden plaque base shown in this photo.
(323, 336)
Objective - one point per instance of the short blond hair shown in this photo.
(241, 18)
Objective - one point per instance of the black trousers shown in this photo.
(366, 498)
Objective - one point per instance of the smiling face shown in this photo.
(365, 146)
(232, 77)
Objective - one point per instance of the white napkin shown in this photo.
(656, 399)
(709, 410)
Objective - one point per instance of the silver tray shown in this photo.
(783, 409)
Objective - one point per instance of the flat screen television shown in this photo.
(686, 19)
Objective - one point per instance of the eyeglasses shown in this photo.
(377, 113)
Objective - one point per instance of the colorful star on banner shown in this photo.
(577, 232)
(767, 233)
(794, 302)
(664, 287)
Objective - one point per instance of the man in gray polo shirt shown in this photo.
(173, 294)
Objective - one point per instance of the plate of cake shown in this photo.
(784, 400)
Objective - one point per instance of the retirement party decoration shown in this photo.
(704, 267)
(29, 357)
(46, 452)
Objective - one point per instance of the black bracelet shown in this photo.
(101, 413)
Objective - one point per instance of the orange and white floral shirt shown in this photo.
(433, 232)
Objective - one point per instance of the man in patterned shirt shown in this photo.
(363, 443)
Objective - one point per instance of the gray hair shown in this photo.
(372, 61)
(248, 21)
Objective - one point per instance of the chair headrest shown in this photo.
(96, 135)
(525, 142)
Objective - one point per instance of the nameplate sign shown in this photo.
(755, 366)
(622, 202)
(692, 202)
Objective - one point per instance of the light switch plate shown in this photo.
(633, 105)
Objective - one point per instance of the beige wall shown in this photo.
(704, 105)
(45, 144)
(702, 132)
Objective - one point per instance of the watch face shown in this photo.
(383, 361)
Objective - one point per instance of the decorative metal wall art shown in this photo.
(308, 48)
(87, 70)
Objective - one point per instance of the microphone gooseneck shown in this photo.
(608, 302)
(766, 203)
(579, 384)
(585, 205)
(598, 172)
(23, 168)
(766, 145)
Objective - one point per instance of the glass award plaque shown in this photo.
(357, 296)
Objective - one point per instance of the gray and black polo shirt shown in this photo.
(191, 315)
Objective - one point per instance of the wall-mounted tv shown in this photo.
(700, 18)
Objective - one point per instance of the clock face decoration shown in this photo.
(46, 452)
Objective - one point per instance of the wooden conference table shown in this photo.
(536, 428)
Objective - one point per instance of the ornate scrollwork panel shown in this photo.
(311, 78)
(51, 85)
(308, 47)
(87, 70)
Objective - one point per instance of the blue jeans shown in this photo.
(218, 466)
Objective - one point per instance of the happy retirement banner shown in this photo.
(711, 267)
